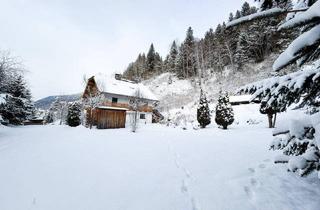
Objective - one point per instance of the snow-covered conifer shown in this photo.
(203, 111)
(74, 114)
(173, 54)
(224, 112)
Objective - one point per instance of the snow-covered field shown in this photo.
(58, 167)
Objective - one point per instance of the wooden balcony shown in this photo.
(125, 105)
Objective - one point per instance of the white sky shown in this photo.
(61, 40)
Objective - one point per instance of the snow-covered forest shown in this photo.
(230, 120)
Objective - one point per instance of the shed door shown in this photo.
(111, 119)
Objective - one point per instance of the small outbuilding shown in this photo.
(242, 99)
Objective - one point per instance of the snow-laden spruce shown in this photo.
(306, 46)
(74, 114)
(224, 112)
(203, 111)
(299, 143)
(16, 105)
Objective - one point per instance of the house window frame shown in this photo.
(142, 116)
(114, 100)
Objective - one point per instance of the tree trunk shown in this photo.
(270, 119)
(274, 120)
(225, 127)
(91, 119)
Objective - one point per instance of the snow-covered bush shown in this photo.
(299, 145)
(203, 111)
(224, 112)
(74, 114)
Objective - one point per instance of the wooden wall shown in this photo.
(107, 118)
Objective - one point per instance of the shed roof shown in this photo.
(240, 98)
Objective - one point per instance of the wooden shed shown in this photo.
(110, 117)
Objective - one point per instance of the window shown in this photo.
(114, 100)
(142, 116)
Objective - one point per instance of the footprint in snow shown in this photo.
(262, 166)
(177, 163)
(251, 170)
(248, 191)
(195, 205)
(184, 187)
(187, 172)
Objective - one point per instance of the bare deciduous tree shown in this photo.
(135, 103)
(93, 97)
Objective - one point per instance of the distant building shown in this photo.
(242, 99)
(116, 98)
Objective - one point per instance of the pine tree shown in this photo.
(231, 17)
(74, 114)
(224, 112)
(151, 60)
(172, 57)
(203, 111)
(238, 15)
(158, 64)
(271, 111)
(19, 106)
(245, 10)
(242, 54)
(209, 45)
(188, 55)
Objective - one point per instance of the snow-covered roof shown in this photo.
(113, 108)
(240, 98)
(110, 85)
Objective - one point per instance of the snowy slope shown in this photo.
(58, 167)
(185, 93)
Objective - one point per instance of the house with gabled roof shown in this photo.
(114, 98)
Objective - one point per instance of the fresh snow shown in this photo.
(258, 15)
(110, 85)
(2, 99)
(240, 98)
(302, 17)
(293, 52)
(159, 167)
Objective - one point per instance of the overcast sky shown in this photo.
(61, 40)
